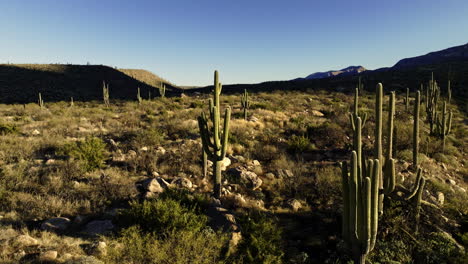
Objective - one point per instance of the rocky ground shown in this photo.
(68, 176)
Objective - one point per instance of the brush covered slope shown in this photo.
(21, 83)
(126, 183)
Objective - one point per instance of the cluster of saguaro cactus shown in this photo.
(215, 142)
(162, 90)
(40, 102)
(105, 93)
(432, 97)
(355, 113)
(367, 183)
(245, 103)
(406, 99)
(139, 98)
(443, 123)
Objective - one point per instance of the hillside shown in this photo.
(21, 83)
(351, 70)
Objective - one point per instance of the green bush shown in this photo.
(6, 129)
(164, 215)
(180, 247)
(261, 240)
(436, 248)
(148, 137)
(91, 152)
(298, 144)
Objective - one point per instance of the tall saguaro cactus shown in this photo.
(105, 93)
(245, 103)
(139, 98)
(432, 97)
(40, 102)
(355, 113)
(162, 90)
(214, 141)
(443, 123)
(449, 92)
(416, 130)
(406, 100)
(360, 212)
(364, 187)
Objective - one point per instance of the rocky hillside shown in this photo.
(453, 54)
(21, 83)
(351, 70)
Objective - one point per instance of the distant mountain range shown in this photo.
(351, 70)
(453, 54)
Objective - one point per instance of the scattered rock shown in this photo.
(237, 158)
(317, 113)
(440, 198)
(36, 132)
(460, 189)
(98, 227)
(182, 183)
(160, 150)
(149, 185)
(451, 182)
(132, 153)
(48, 255)
(252, 119)
(248, 178)
(281, 173)
(19, 255)
(294, 204)
(256, 163)
(270, 176)
(56, 224)
(443, 166)
(26, 241)
(224, 163)
(144, 149)
(98, 248)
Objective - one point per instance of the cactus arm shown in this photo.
(346, 206)
(374, 171)
(227, 117)
(416, 185)
(416, 130)
(354, 199)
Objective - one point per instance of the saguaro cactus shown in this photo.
(443, 123)
(245, 103)
(213, 141)
(71, 102)
(432, 97)
(416, 196)
(389, 165)
(449, 92)
(139, 96)
(105, 93)
(40, 102)
(406, 100)
(355, 113)
(416, 130)
(360, 211)
(162, 90)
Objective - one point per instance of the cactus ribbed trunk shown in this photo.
(378, 140)
(217, 179)
(416, 131)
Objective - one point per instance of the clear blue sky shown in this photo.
(247, 41)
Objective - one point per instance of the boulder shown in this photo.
(26, 241)
(294, 204)
(182, 182)
(49, 255)
(440, 198)
(56, 224)
(282, 173)
(248, 178)
(152, 185)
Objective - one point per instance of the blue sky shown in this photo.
(247, 41)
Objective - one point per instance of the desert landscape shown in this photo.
(101, 164)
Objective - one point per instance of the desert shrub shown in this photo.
(327, 183)
(328, 135)
(163, 216)
(298, 144)
(135, 246)
(262, 241)
(148, 137)
(436, 248)
(6, 129)
(91, 152)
